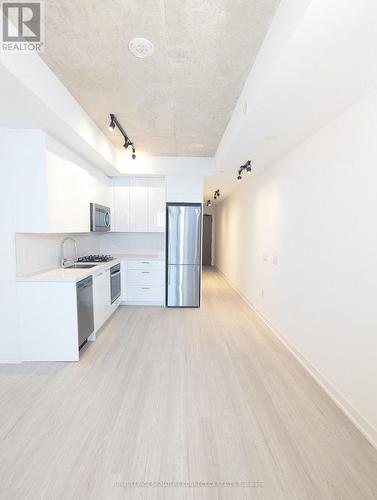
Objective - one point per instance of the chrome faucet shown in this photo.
(63, 260)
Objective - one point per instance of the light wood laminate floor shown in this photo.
(188, 396)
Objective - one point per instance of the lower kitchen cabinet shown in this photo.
(143, 282)
(49, 314)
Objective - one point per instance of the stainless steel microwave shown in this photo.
(99, 218)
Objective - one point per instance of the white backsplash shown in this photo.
(40, 252)
(132, 243)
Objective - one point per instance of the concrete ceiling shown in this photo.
(177, 102)
(318, 59)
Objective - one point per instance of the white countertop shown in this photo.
(68, 275)
(75, 275)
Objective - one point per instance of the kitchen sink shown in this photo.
(81, 266)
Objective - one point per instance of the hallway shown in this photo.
(200, 395)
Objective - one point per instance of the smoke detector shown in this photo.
(141, 47)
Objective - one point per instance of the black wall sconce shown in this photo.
(127, 141)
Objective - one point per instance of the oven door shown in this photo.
(99, 218)
(115, 280)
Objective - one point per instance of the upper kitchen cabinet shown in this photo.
(121, 204)
(139, 205)
(54, 190)
(156, 205)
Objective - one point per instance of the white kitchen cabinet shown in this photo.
(101, 298)
(138, 205)
(146, 293)
(156, 205)
(145, 282)
(54, 195)
(123, 269)
(153, 277)
(121, 204)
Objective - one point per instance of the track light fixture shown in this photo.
(209, 203)
(216, 194)
(127, 141)
(244, 168)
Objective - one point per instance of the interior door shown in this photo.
(207, 240)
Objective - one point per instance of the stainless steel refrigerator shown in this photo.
(183, 254)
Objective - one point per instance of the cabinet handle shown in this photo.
(145, 262)
(145, 272)
(145, 288)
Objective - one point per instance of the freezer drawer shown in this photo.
(183, 287)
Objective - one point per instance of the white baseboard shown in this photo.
(368, 431)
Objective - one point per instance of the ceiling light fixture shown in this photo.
(244, 168)
(216, 194)
(141, 47)
(209, 203)
(127, 141)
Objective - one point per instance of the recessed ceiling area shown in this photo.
(178, 101)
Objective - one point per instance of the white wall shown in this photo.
(299, 241)
(9, 335)
(184, 188)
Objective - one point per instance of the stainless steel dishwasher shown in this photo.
(85, 317)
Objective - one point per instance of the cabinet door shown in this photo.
(123, 269)
(138, 205)
(101, 298)
(156, 205)
(121, 202)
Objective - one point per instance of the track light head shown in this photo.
(239, 178)
(112, 123)
(134, 156)
(133, 152)
(209, 203)
(126, 144)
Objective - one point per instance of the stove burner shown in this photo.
(96, 258)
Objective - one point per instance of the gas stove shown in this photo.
(96, 258)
